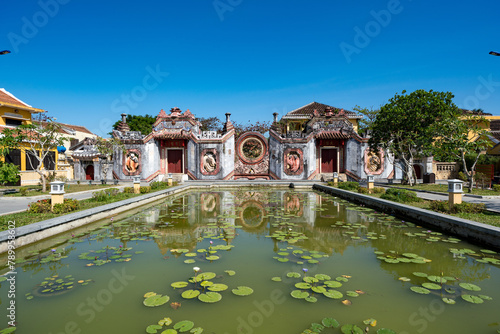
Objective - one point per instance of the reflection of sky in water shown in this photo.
(270, 233)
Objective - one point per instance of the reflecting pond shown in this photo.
(263, 261)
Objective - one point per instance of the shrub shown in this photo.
(128, 190)
(103, 195)
(464, 207)
(349, 185)
(40, 206)
(400, 195)
(496, 187)
(463, 177)
(68, 206)
(23, 191)
(379, 190)
(145, 189)
(362, 190)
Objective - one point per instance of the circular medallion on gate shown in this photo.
(252, 147)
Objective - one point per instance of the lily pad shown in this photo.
(351, 329)
(311, 299)
(177, 285)
(276, 279)
(303, 285)
(299, 294)
(242, 291)
(330, 322)
(472, 299)
(230, 272)
(293, 275)
(210, 297)
(419, 274)
(153, 329)
(184, 326)
(189, 294)
(419, 289)
(197, 330)
(470, 287)
(449, 300)
(385, 331)
(156, 300)
(218, 287)
(165, 322)
(334, 294)
(333, 284)
(432, 286)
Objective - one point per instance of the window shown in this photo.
(14, 157)
(13, 122)
(49, 162)
(31, 161)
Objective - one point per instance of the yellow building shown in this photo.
(13, 113)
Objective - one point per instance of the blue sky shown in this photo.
(88, 61)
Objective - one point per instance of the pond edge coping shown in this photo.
(28, 234)
(475, 232)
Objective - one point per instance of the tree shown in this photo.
(408, 125)
(464, 138)
(106, 148)
(144, 124)
(9, 173)
(35, 140)
(369, 116)
(261, 127)
(210, 124)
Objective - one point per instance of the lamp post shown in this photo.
(4, 52)
(493, 53)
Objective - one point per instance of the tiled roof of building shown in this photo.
(7, 98)
(332, 135)
(474, 112)
(308, 110)
(78, 128)
(495, 125)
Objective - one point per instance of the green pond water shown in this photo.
(300, 257)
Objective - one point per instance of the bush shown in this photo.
(379, 190)
(103, 195)
(462, 176)
(145, 189)
(40, 206)
(464, 207)
(349, 185)
(128, 190)
(400, 195)
(68, 206)
(363, 190)
(496, 187)
(23, 191)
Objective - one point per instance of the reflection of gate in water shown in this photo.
(252, 214)
(252, 157)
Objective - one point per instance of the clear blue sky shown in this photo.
(88, 61)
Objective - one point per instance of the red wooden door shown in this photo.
(329, 160)
(174, 158)
(89, 172)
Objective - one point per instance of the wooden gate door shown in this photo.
(174, 158)
(329, 160)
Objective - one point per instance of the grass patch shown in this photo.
(26, 218)
(68, 189)
(443, 188)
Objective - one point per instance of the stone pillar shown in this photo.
(335, 178)
(371, 181)
(169, 178)
(455, 192)
(275, 114)
(137, 184)
(56, 193)
(227, 117)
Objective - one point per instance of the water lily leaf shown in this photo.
(8, 330)
(404, 279)
(165, 322)
(450, 290)
(330, 322)
(190, 254)
(485, 297)
(218, 287)
(342, 279)
(276, 279)
(176, 285)
(317, 328)
(420, 290)
(242, 291)
(470, 286)
(184, 326)
(303, 285)
(283, 259)
(310, 279)
(189, 294)
(169, 331)
(189, 261)
(311, 299)
(372, 322)
(153, 329)
(212, 258)
(436, 279)
(432, 286)
(299, 294)
(197, 330)
(352, 294)
(230, 272)
(210, 297)
(410, 255)
(351, 329)
(385, 331)
(419, 274)
(472, 299)
(206, 283)
(334, 294)
(449, 300)
(156, 300)
(333, 284)
(293, 275)
(318, 289)
(205, 276)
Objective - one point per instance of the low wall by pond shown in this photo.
(478, 233)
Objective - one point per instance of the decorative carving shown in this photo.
(209, 162)
(132, 163)
(210, 135)
(293, 204)
(209, 204)
(374, 162)
(294, 161)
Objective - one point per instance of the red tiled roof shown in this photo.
(78, 128)
(7, 97)
(332, 135)
(171, 135)
(308, 110)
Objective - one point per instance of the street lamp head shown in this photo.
(493, 53)
(4, 52)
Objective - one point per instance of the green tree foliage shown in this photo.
(261, 127)
(210, 124)
(455, 141)
(37, 140)
(369, 115)
(9, 173)
(408, 124)
(144, 124)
